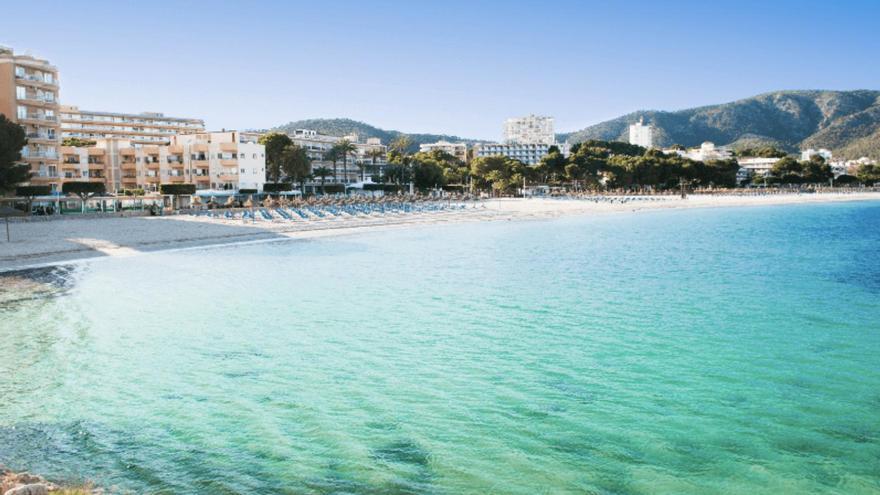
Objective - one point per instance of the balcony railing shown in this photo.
(37, 116)
(34, 77)
(40, 135)
(51, 155)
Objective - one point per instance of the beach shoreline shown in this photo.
(39, 244)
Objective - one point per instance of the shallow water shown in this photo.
(702, 351)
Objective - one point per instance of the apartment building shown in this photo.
(217, 160)
(530, 154)
(705, 153)
(458, 150)
(141, 128)
(29, 96)
(318, 145)
(754, 167)
(532, 129)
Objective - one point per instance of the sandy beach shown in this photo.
(46, 242)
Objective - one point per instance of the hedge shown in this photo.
(177, 189)
(30, 191)
(388, 188)
(81, 188)
(334, 188)
(273, 187)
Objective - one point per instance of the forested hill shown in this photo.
(343, 127)
(847, 122)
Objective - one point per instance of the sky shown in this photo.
(452, 67)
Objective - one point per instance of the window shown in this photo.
(20, 92)
(19, 72)
(22, 112)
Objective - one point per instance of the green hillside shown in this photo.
(343, 127)
(847, 122)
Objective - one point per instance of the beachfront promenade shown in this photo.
(41, 241)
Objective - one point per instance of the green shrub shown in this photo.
(273, 187)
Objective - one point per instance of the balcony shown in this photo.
(39, 155)
(152, 164)
(229, 163)
(200, 163)
(201, 178)
(37, 79)
(37, 118)
(152, 179)
(40, 101)
(128, 165)
(176, 179)
(41, 136)
(228, 178)
(229, 147)
(96, 165)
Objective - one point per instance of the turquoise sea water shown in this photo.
(683, 352)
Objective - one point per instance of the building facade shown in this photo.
(807, 154)
(142, 128)
(754, 167)
(641, 134)
(532, 129)
(218, 160)
(318, 145)
(458, 150)
(530, 154)
(29, 96)
(706, 152)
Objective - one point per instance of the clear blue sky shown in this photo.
(456, 67)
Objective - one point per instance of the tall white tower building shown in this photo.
(641, 134)
(533, 129)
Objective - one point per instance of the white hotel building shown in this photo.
(531, 129)
(526, 139)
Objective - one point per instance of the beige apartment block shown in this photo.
(224, 160)
(458, 150)
(141, 128)
(29, 97)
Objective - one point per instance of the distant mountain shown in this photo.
(344, 127)
(847, 122)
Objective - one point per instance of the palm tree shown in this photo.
(322, 172)
(373, 154)
(332, 155)
(343, 149)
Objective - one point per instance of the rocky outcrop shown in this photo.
(12, 483)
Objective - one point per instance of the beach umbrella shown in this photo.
(230, 201)
(250, 202)
(6, 212)
(196, 200)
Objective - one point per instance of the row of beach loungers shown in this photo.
(613, 199)
(330, 212)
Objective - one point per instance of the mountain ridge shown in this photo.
(846, 122)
